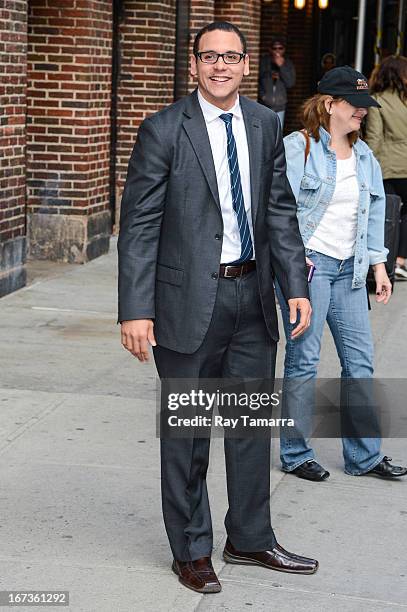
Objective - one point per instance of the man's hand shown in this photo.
(137, 335)
(383, 284)
(304, 306)
(278, 58)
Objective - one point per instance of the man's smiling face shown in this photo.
(220, 82)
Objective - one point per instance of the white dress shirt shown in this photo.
(336, 233)
(231, 246)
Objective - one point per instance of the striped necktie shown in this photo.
(246, 252)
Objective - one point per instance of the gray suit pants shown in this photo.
(237, 344)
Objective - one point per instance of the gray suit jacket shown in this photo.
(171, 225)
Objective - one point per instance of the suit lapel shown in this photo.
(254, 135)
(195, 127)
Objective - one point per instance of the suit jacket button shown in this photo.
(214, 275)
(218, 236)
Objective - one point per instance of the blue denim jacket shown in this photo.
(313, 188)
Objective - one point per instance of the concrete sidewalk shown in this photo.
(79, 472)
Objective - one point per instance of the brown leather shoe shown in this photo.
(276, 559)
(197, 575)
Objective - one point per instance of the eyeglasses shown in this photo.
(210, 57)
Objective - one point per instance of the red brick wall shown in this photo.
(68, 122)
(246, 16)
(146, 78)
(201, 13)
(13, 67)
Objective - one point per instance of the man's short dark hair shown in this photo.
(225, 26)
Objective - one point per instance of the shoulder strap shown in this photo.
(307, 144)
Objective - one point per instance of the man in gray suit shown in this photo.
(207, 219)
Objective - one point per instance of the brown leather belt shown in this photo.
(228, 271)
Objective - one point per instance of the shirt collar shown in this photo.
(359, 146)
(212, 112)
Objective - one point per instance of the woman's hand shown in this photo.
(303, 306)
(383, 284)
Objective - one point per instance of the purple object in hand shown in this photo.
(311, 270)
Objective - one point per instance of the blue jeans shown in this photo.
(346, 312)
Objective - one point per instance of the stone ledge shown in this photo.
(68, 238)
(12, 269)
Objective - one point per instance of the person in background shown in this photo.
(276, 75)
(341, 210)
(386, 135)
(328, 61)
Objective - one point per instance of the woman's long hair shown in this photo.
(315, 115)
(391, 74)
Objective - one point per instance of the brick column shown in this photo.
(146, 76)
(245, 14)
(68, 128)
(13, 69)
(202, 12)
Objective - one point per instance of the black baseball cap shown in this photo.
(278, 38)
(349, 84)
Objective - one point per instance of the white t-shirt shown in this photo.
(336, 233)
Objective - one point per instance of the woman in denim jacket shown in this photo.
(338, 186)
